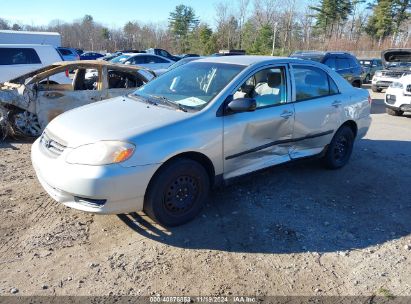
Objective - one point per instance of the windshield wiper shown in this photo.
(169, 102)
(143, 99)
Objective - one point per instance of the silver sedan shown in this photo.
(162, 148)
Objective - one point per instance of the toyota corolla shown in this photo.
(162, 148)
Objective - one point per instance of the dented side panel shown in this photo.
(50, 104)
(250, 139)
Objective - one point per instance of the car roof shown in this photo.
(321, 53)
(248, 59)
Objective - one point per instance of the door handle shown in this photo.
(336, 103)
(287, 114)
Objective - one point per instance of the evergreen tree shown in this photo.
(380, 24)
(182, 21)
(331, 13)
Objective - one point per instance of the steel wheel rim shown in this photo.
(181, 194)
(341, 148)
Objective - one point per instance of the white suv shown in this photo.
(398, 96)
(19, 59)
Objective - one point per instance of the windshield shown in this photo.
(399, 64)
(182, 62)
(192, 85)
(120, 59)
(366, 63)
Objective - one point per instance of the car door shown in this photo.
(54, 99)
(261, 138)
(318, 108)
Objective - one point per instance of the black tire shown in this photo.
(394, 112)
(356, 84)
(340, 149)
(375, 89)
(177, 192)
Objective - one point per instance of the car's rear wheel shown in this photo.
(394, 112)
(376, 89)
(177, 192)
(340, 149)
(356, 84)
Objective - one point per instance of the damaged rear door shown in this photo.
(262, 138)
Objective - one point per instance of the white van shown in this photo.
(19, 59)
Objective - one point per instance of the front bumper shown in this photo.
(396, 99)
(381, 82)
(119, 189)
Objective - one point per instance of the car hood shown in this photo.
(120, 118)
(395, 55)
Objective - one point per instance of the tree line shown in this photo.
(275, 27)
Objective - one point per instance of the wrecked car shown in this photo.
(198, 125)
(28, 103)
(397, 63)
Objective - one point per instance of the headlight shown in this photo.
(396, 85)
(101, 153)
(378, 73)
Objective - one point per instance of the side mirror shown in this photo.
(242, 105)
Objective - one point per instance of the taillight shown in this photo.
(67, 73)
(369, 100)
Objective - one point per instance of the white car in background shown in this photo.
(149, 61)
(398, 96)
(19, 59)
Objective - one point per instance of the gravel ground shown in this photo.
(296, 229)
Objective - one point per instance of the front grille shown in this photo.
(408, 88)
(393, 74)
(384, 83)
(51, 145)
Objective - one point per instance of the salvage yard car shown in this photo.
(397, 63)
(161, 148)
(398, 96)
(29, 102)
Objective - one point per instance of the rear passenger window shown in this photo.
(330, 62)
(312, 82)
(11, 56)
(333, 86)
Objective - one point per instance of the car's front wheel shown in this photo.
(340, 148)
(394, 112)
(177, 192)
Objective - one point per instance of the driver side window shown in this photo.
(267, 87)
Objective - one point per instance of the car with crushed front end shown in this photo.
(29, 102)
(397, 63)
(162, 148)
